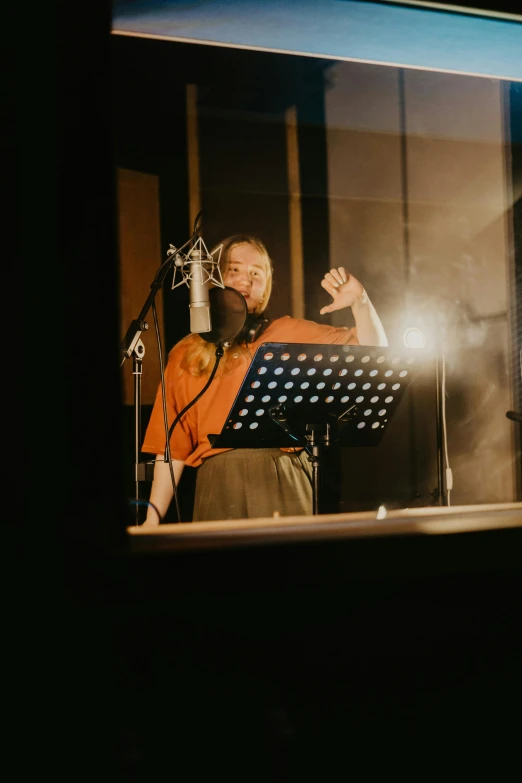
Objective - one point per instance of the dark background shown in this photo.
(294, 662)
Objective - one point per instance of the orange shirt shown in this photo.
(189, 440)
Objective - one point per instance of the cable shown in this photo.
(141, 502)
(168, 457)
(219, 354)
(277, 414)
(169, 430)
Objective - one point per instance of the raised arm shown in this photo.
(347, 291)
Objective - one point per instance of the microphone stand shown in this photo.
(131, 345)
(139, 325)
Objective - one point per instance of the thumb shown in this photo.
(327, 309)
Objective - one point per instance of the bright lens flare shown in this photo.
(414, 338)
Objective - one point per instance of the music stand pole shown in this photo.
(317, 437)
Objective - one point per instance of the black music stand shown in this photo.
(302, 394)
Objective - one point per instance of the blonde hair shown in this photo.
(199, 355)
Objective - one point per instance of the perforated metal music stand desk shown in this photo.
(301, 394)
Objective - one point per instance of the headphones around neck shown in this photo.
(254, 327)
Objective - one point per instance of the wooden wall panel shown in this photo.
(140, 257)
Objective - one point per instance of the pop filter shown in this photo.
(228, 314)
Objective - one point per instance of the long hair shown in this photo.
(199, 354)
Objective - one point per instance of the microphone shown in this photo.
(199, 300)
(197, 272)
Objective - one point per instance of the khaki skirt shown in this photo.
(250, 483)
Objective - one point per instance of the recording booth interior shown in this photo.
(336, 161)
(387, 621)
